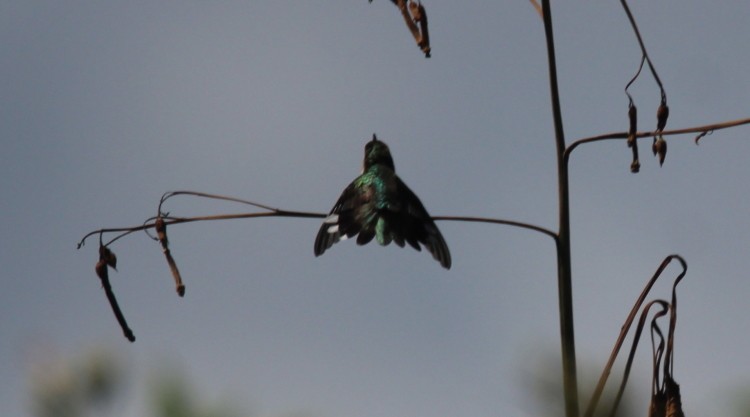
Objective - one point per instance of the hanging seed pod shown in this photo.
(424, 43)
(635, 166)
(633, 118)
(161, 233)
(108, 256)
(102, 272)
(662, 114)
(660, 149)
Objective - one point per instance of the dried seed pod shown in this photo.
(633, 118)
(161, 232)
(662, 114)
(674, 400)
(635, 166)
(105, 260)
(660, 147)
(108, 256)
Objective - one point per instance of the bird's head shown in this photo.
(377, 153)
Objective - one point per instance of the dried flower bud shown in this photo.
(633, 118)
(108, 256)
(635, 166)
(662, 114)
(660, 147)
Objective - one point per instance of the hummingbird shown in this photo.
(377, 204)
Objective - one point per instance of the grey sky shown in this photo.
(106, 105)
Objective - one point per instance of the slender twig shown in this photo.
(178, 220)
(626, 327)
(528, 226)
(171, 194)
(624, 135)
(643, 47)
(672, 324)
(636, 338)
(657, 350)
(632, 80)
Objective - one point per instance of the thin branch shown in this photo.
(624, 135)
(286, 213)
(178, 220)
(632, 80)
(643, 47)
(672, 324)
(171, 194)
(528, 226)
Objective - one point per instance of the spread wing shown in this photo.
(416, 225)
(341, 222)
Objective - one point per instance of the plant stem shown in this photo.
(564, 272)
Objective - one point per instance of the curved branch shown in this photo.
(643, 47)
(624, 135)
(636, 338)
(521, 225)
(178, 220)
(626, 327)
(287, 213)
(170, 194)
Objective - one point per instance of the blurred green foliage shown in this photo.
(90, 384)
(73, 388)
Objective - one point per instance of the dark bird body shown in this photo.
(377, 204)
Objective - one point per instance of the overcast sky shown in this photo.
(106, 105)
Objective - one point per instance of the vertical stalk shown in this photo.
(564, 272)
